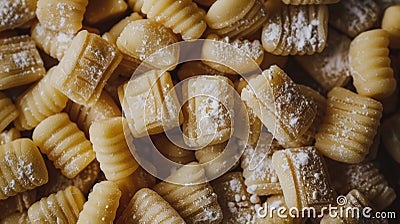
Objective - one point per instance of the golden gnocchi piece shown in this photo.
(61, 207)
(52, 42)
(309, 2)
(85, 68)
(61, 15)
(102, 204)
(136, 5)
(22, 168)
(370, 64)
(281, 106)
(150, 104)
(149, 207)
(104, 10)
(258, 172)
(303, 177)
(172, 151)
(17, 204)
(145, 40)
(39, 102)
(112, 151)
(9, 136)
(208, 110)
(391, 136)
(236, 19)
(235, 202)
(84, 116)
(16, 218)
(366, 178)
(224, 55)
(390, 23)
(183, 17)
(15, 13)
(64, 144)
(295, 30)
(331, 67)
(8, 112)
(349, 126)
(195, 203)
(353, 16)
(112, 35)
(209, 157)
(354, 200)
(20, 62)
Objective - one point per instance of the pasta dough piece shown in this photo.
(232, 57)
(17, 204)
(353, 16)
(391, 136)
(309, 2)
(61, 207)
(112, 35)
(84, 116)
(20, 62)
(390, 23)
(354, 200)
(280, 105)
(51, 42)
(303, 177)
(331, 67)
(234, 200)
(102, 204)
(145, 40)
(368, 179)
(15, 13)
(85, 68)
(295, 30)
(349, 126)
(22, 168)
(370, 64)
(150, 103)
(8, 111)
(39, 102)
(9, 135)
(61, 15)
(149, 207)
(209, 157)
(136, 5)
(104, 10)
(112, 151)
(195, 203)
(16, 218)
(258, 172)
(172, 151)
(209, 110)
(183, 17)
(236, 19)
(64, 144)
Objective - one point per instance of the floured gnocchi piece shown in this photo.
(390, 23)
(295, 30)
(112, 35)
(64, 144)
(303, 177)
(209, 157)
(223, 54)
(149, 207)
(236, 19)
(63, 206)
(349, 126)
(85, 68)
(280, 105)
(20, 62)
(15, 13)
(22, 168)
(208, 112)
